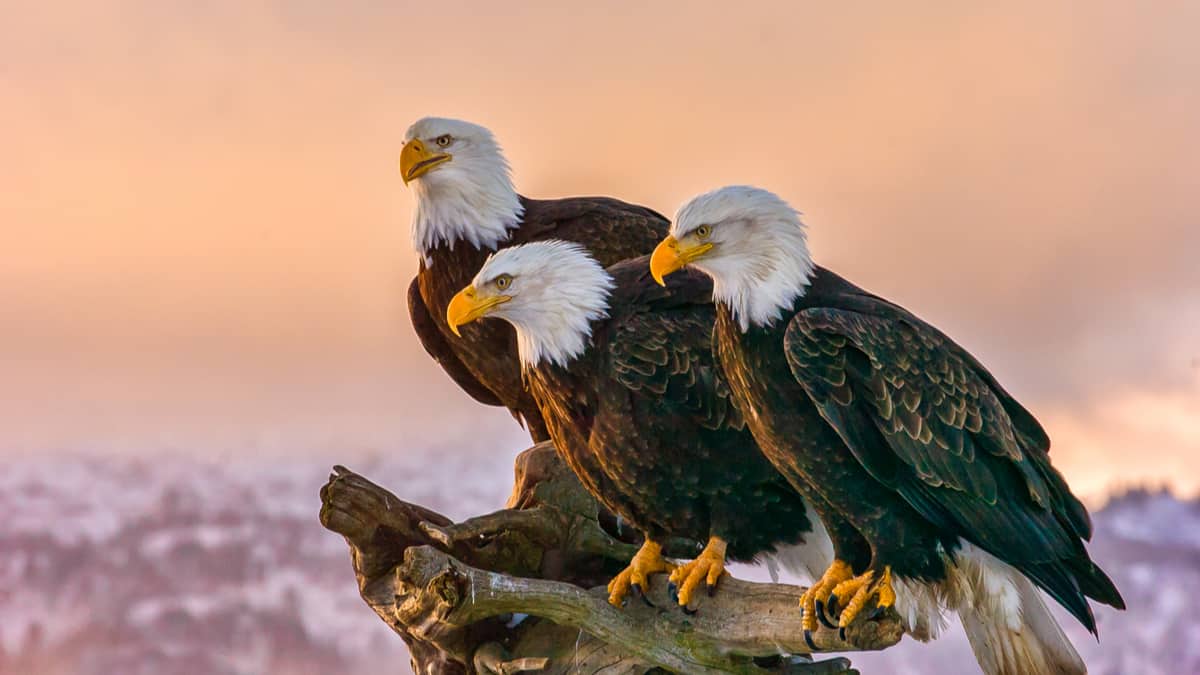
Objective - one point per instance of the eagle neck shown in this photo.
(561, 329)
(759, 303)
(765, 275)
(453, 215)
(448, 271)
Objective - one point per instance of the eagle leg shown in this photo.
(647, 561)
(839, 571)
(860, 590)
(707, 568)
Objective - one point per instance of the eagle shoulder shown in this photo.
(659, 345)
(611, 230)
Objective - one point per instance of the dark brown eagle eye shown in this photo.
(442, 140)
(703, 231)
(503, 281)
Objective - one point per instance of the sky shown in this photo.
(206, 244)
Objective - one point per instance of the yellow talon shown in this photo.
(707, 567)
(838, 572)
(860, 590)
(887, 594)
(647, 561)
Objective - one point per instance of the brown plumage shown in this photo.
(627, 382)
(484, 361)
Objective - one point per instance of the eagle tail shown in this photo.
(1008, 624)
(808, 559)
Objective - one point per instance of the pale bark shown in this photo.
(451, 590)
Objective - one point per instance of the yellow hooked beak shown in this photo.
(416, 160)
(671, 256)
(466, 306)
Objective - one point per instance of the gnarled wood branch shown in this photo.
(451, 591)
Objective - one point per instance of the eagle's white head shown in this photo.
(464, 190)
(750, 242)
(550, 291)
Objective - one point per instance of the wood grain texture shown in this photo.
(451, 591)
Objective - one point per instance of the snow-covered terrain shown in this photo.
(181, 566)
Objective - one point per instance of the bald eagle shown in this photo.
(467, 208)
(933, 482)
(625, 376)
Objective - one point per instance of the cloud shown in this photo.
(211, 234)
(1130, 438)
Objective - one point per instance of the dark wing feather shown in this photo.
(663, 356)
(664, 346)
(669, 433)
(612, 230)
(435, 345)
(919, 415)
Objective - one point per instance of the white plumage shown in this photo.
(471, 197)
(766, 265)
(557, 289)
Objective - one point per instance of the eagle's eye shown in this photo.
(443, 140)
(703, 231)
(503, 281)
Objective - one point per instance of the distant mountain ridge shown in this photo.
(186, 567)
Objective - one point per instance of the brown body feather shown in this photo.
(646, 420)
(905, 444)
(483, 362)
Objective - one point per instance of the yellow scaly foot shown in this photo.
(648, 560)
(860, 589)
(838, 572)
(707, 568)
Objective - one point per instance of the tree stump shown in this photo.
(522, 590)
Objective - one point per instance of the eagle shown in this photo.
(624, 374)
(933, 482)
(466, 208)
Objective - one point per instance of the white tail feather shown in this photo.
(919, 605)
(1008, 624)
(809, 559)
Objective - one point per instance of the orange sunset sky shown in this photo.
(206, 237)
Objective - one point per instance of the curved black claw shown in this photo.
(637, 590)
(875, 613)
(673, 592)
(842, 634)
(822, 617)
(809, 641)
(690, 612)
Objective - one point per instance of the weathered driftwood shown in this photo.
(451, 591)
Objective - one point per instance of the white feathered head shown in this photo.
(462, 182)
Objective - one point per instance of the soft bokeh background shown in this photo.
(205, 244)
